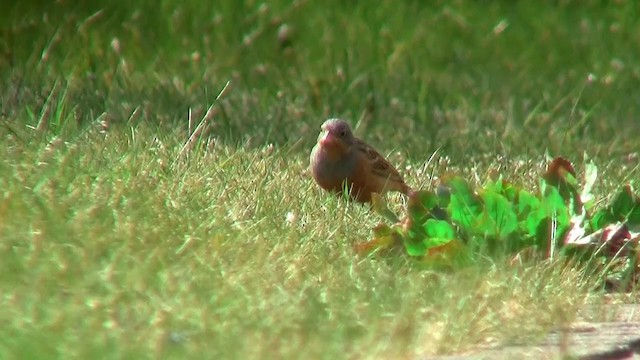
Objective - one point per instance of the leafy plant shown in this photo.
(558, 219)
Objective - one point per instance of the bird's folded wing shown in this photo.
(378, 165)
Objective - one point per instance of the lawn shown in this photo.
(121, 238)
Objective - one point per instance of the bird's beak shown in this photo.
(327, 139)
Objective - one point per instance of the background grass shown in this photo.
(110, 247)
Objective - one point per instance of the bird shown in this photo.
(339, 160)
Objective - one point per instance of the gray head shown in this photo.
(336, 132)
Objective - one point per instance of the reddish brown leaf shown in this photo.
(557, 170)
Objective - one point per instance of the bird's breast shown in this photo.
(329, 167)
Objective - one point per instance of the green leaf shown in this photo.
(415, 248)
(504, 188)
(571, 180)
(600, 219)
(496, 186)
(510, 192)
(413, 237)
(420, 205)
(533, 220)
(624, 205)
(555, 207)
(590, 176)
(550, 219)
(527, 203)
(422, 237)
(558, 218)
(438, 232)
(542, 233)
(465, 207)
(560, 175)
(500, 219)
(634, 216)
(428, 199)
(529, 213)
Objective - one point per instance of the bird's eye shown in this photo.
(343, 133)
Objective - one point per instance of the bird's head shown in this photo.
(336, 136)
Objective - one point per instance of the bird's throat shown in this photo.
(333, 150)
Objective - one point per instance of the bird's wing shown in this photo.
(378, 165)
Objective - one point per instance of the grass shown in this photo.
(112, 245)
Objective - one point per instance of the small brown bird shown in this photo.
(340, 159)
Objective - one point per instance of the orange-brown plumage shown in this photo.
(340, 159)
